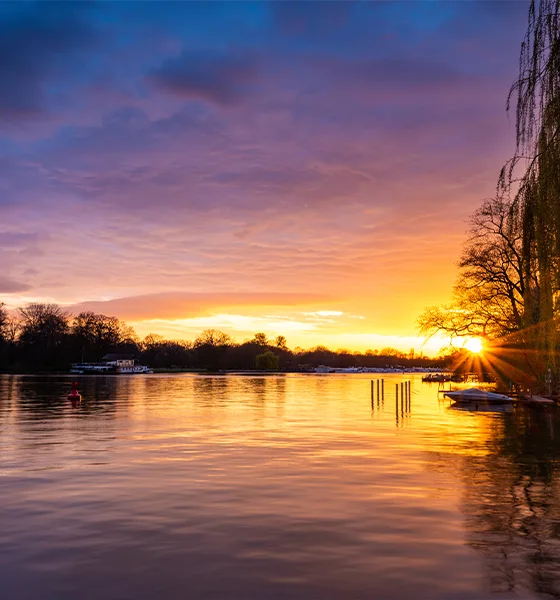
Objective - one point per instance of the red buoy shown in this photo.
(74, 395)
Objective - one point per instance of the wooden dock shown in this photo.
(536, 400)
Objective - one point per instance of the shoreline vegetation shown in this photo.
(43, 338)
(508, 286)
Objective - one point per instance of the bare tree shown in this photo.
(212, 337)
(260, 339)
(280, 342)
(3, 321)
(43, 323)
(488, 298)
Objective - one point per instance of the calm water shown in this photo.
(185, 486)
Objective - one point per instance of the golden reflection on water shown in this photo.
(271, 487)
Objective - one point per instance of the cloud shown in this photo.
(181, 305)
(220, 78)
(307, 18)
(18, 239)
(324, 313)
(10, 286)
(356, 140)
(39, 41)
(403, 74)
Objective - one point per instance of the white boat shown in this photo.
(476, 395)
(107, 367)
(91, 368)
(134, 370)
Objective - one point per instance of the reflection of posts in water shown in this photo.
(397, 403)
(404, 408)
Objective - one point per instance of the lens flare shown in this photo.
(474, 345)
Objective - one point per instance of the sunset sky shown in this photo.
(298, 169)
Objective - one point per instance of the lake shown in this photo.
(273, 487)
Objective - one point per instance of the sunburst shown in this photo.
(474, 345)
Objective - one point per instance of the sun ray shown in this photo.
(474, 345)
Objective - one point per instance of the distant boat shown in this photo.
(435, 377)
(106, 369)
(476, 395)
(325, 369)
(111, 364)
(91, 369)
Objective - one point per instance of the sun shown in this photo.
(474, 345)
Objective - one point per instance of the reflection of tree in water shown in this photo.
(512, 504)
(46, 397)
(210, 390)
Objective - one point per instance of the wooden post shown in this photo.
(409, 394)
(378, 396)
(383, 389)
(372, 394)
(406, 395)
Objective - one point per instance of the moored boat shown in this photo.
(476, 395)
(434, 377)
(89, 368)
(111, 364)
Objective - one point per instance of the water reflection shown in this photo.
(512, 506)
(482, 407)
(270, 487)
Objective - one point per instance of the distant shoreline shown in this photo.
(239, 372)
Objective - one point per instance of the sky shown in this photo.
(301, 169)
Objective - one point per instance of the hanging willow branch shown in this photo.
(537, 156)
(538, 83)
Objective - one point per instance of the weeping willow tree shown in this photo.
(534, 173)
(508, 289)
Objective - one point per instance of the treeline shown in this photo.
(508, 288)
(43, 337)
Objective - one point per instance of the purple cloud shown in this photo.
(180, 305)
(39, 43)
(305, 18)
(221, 78)
(357, 139)
(10, 286)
